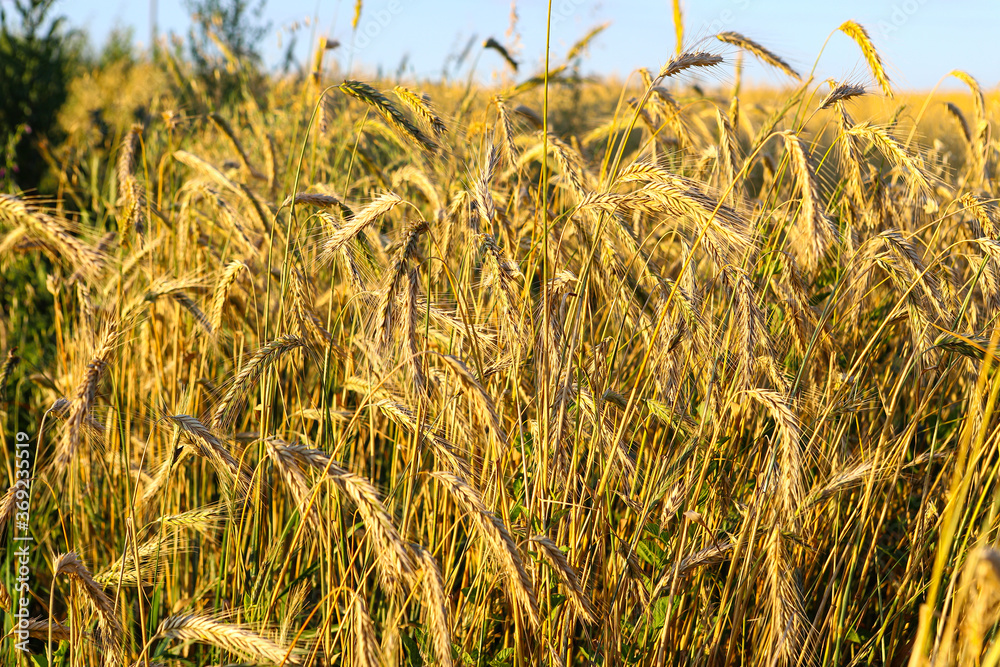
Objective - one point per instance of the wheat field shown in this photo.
(560, 372)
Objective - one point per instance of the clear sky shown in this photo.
(921, 40)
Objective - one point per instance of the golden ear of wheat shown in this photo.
(203, 442)
(131, 195)
(581, 44)
(394, 556)
(9, 364)
(86, 390)
(683, 61)
(378, 207)
(233, 638)
(491, 43)
(678, 25)
(421, 107)
(841, 93)
(819, 232)
(250, 373)
(38, 628)
(112, 633)
(392, 115)
(498, 540)
(436, 604)
(54, 230)
(764, 55)
(787, 625)
(228, 132)
(910, 164)
(855, 31)
(222, 289)
(960, 118)
(567, 577)
(357, 14)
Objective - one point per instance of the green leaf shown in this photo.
(650, 551)
(558, 514)
(502, 657)
(411, 648)
(660, 608)
(555, 600)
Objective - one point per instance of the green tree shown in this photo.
(118, 48)
(225, 44)
(37, 54)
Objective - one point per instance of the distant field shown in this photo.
(565, 372)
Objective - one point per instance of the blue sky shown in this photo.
(921, 40)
